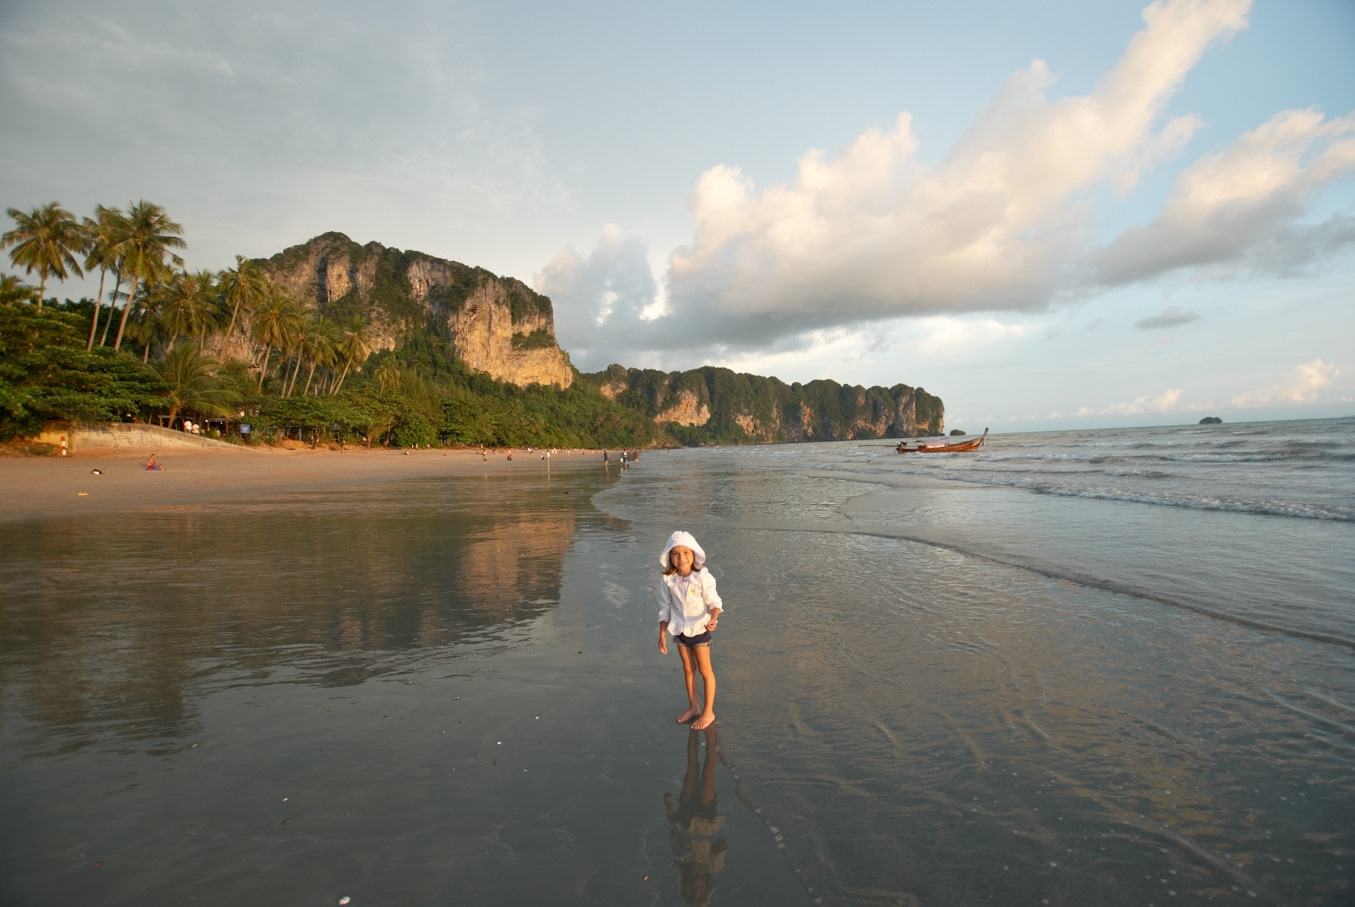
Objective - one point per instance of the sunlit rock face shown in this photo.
(686, 410)
(496, 325)
(712, 405)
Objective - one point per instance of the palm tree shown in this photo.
(103, 234)
(122, 230)
(45, 241)
(308, 339)
(193, 386)
(12, 289)
(146, 325)
(355, 342)
(243, 287)
(150, 236)
(388, 376)
(188, 305)
(319, 347)
(274, 324)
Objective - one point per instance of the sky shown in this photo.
(1052, 214)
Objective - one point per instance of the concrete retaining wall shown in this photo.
(131, 435)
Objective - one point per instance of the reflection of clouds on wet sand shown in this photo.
(119, 627)
(695, 822)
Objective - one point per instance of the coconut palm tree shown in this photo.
(188, 305)
(150, 236)
(387, 377)
(12, 289)
(45, 240)
(319, 347)
(274, 324)
(306, 341)
(243, 287)
(145, 324)
(355, 341)
(103, 234)
(193, 385)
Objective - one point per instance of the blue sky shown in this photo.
(1051, 214)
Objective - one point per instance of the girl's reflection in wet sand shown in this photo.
(693, 824)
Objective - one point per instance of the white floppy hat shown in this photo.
(686, 540)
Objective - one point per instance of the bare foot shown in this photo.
(703, 722)
(688, 715)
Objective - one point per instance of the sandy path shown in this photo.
(45, 487)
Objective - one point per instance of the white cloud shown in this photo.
(1167, 401)
(873, 233)
(943, 336)
(1004, 223)
(1304, 385)
(608, 300)
(1241, 205)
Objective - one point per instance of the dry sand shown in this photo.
(39, 488)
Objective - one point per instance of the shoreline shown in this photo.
(40, 488)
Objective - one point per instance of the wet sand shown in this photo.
(291, 678)
(47, 487)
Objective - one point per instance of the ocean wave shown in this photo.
(1310, 511)
(1138, 474)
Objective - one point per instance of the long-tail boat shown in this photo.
(956, 447)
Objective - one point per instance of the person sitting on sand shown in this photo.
(689, 609)
(153, 463)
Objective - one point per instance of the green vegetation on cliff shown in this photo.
(712, 405)
(239, 346)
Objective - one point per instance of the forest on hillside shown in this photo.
(161, 343)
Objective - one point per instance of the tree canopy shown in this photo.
(233, 345)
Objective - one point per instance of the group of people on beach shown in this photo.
(626, 457)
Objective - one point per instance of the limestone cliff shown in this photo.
(496, 325)
(718, 406)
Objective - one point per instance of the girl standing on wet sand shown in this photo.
(689, 609)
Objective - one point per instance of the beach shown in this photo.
(1101, 668)
(49, 487)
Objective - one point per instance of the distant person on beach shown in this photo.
(605, 458)
(689, 609)
(153, 463)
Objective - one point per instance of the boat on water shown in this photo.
(955, 447)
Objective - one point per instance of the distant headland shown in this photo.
(333, 341)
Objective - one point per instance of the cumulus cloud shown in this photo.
(942, 336)
(1303, 385)
(1241, 205)
(607, 299)
(873, 233)
(1165, 402)
(1006, 222)
(1170, 317)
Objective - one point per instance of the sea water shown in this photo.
(1101, 667)
(1085, 667)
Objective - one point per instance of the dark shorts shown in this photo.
(691, 642)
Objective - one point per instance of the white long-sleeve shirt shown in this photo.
(686, 602)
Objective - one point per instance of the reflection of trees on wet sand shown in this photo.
(118, 626)
(694, 822)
